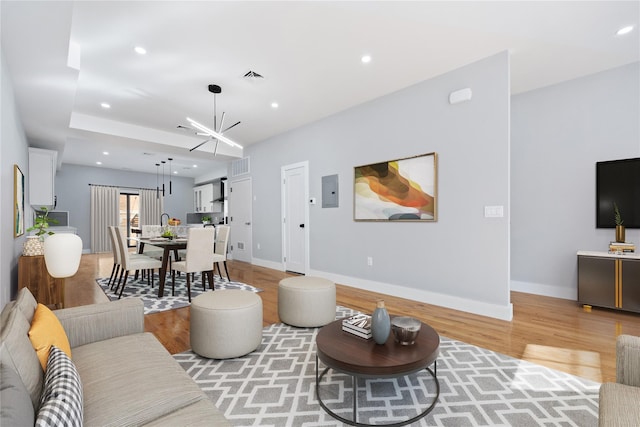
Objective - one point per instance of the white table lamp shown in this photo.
(62, 253)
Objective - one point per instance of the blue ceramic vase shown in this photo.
(380, 324)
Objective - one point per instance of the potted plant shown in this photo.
(34, 244)
(206, 219)
(41, 223)
(619, 224)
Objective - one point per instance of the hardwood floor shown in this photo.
(553, 332)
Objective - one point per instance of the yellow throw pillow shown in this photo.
(46, 330)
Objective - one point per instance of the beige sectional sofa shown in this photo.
(128, 378)
(620, 401)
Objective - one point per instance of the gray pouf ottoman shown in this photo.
(226, 323)
(306, 301)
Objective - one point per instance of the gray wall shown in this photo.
(13, 150)
(558, 134)
(73, 191)
(462, 260)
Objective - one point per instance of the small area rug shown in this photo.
(153, 304)
(275, 386)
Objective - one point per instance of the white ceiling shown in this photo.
(308, 52)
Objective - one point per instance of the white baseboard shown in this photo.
(267, 264)
(545, 290)
(457, 303)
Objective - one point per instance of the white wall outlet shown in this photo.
(369, 261)
(493, 211)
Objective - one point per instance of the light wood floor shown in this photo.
(553, 332)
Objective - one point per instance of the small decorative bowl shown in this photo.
(405, 329)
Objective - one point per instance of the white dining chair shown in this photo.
(133, 262)
(220, 250)
(199, 258)
(116, 270)
(149, 231)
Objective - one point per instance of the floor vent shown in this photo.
(240, 167)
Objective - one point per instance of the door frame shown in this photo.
(283, 170)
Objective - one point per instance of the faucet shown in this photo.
(162, 216)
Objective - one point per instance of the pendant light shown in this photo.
(163, 162)
(170, 159)
(157, 186)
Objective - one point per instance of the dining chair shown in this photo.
(116, 270)
(220, 249)
(133, 262)
(149, 231)
(183, 253)
(116, 255)
(199, 258)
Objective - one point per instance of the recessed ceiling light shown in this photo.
(98, 163)
(625, 30)
(195, 166)
(140, 50)
(106, 153)
(105, 105)
(175, 172)
(274, 105)
(366, 59)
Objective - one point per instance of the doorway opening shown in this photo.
(129, 215)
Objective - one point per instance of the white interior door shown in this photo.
(295, 229)
(240, 219)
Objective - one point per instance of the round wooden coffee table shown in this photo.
(361, 358)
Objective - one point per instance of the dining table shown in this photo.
(167, 245)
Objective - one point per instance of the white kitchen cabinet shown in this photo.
(42, 174)
(203, 198)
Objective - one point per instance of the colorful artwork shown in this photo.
(18, 202)
(397, 190)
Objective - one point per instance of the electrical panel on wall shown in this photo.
(330, 191)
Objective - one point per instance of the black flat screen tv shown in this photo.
(618, 181)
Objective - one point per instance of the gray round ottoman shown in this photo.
(226, 323)
(306, 301)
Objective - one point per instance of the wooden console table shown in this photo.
(33, 274)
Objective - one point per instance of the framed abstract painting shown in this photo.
(18, 202)
(397, 190)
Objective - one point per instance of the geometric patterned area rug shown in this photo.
(152, 304)
(275, 386)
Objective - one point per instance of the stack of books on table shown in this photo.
(359, 325)
(625, 247)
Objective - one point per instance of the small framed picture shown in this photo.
(18, 202)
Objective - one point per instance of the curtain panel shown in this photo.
(105, 211)
(151, 207)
